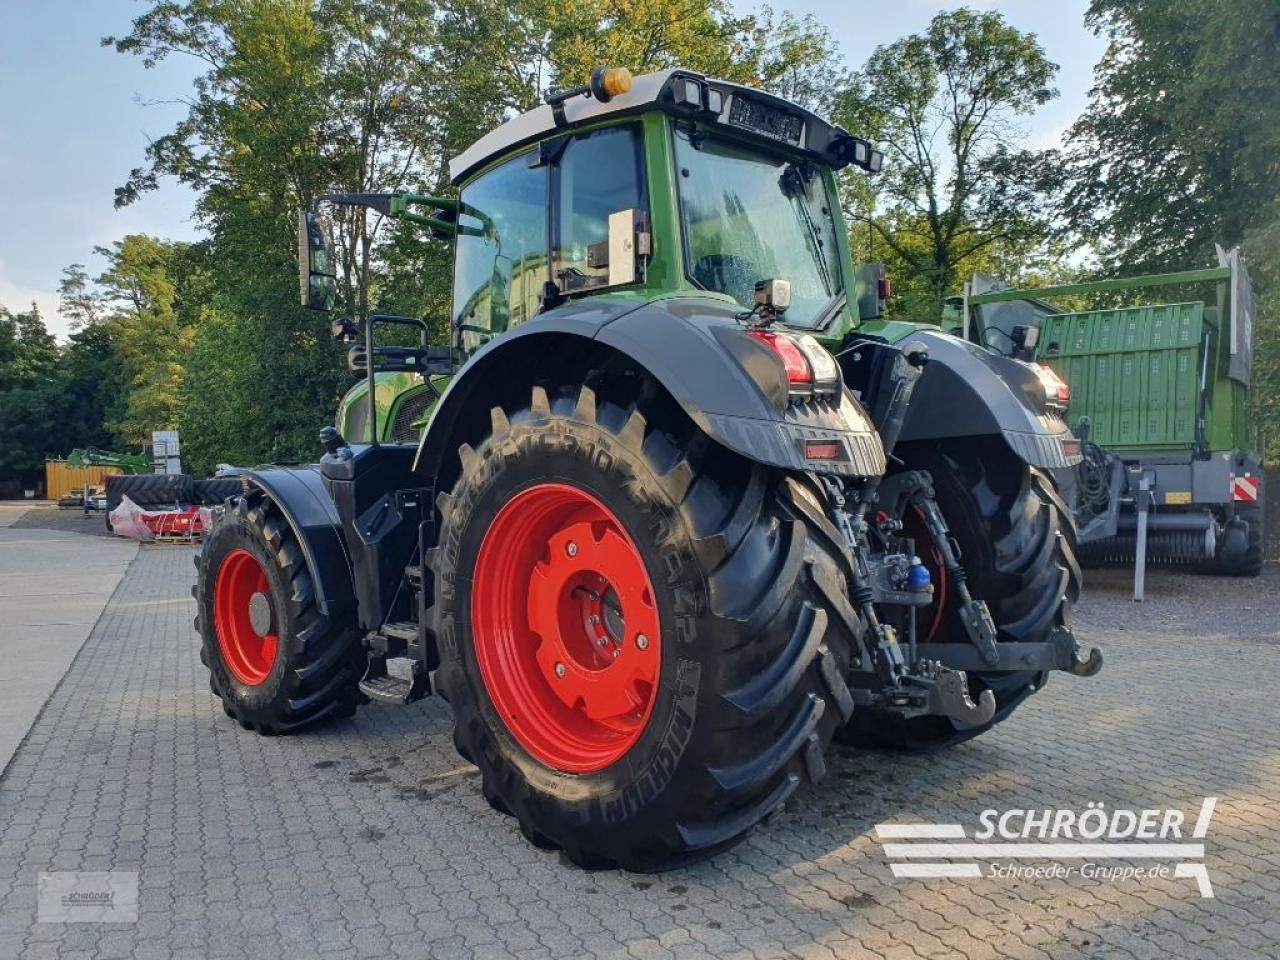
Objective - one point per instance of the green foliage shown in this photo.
(945, 104)
(51, 397)
(1177, 148)
(149, 291)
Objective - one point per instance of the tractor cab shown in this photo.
(625, 191)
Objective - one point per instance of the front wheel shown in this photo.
(642, 638)
(1017, 547)
(276, 662)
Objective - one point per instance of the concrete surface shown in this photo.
(53, 587)
(69, 520)
(369, 838)
(11, 510)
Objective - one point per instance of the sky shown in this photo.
(75, 118)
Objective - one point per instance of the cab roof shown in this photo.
(746, 110)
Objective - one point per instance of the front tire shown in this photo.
(1017, 546)
(277, 663)
(741, 685)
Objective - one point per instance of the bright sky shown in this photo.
(75, 118)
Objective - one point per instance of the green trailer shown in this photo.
(1159, 397)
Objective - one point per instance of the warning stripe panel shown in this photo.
(1244, 488)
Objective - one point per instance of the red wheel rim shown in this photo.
(243, 618)
(566, 628)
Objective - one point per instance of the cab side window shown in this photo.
(501, 260)
(599, 173)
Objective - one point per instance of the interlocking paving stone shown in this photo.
(369, 838)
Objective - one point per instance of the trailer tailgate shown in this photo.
(1134, 372)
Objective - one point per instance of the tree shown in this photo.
(298, 100)
(78, 301)
(30, 397)
(150, 327)
(945, 104)
(1177, 148)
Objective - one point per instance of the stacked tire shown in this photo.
(165, 491)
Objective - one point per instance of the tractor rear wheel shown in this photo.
(276, 662)
(643, 637)
(1017, 546)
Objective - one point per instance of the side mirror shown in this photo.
(1024, 342)
(317, 266)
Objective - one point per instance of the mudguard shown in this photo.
(729, 384)
(300, 494)
(968, 391)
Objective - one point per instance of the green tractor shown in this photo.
(673, 509)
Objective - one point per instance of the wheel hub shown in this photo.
(260, 614)
(560, 599)
(243, 619)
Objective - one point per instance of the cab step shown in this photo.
(383, 687)
(392, 640)
(405, 630)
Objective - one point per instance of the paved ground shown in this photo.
(53, 586)
(369, 839)
(11, 511)
(70, 520)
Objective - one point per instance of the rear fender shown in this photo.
(300, 495)
(968, 391)
(729, 385)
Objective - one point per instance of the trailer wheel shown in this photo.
(1247, 557)
(276, 662)
(643, 637)
(1017, 545)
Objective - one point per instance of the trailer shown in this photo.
(1158, 395)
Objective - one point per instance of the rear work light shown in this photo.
(1057, 392)
(809, 367)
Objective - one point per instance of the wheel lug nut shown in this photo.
(559, 669)
(594, 619)
(571, 549)
(642, 642)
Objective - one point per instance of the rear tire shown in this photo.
(1017, 546)
(292, 667)
(150, 490)
(1246, 562)
(753, 626)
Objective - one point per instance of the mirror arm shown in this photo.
(370, 382)
(443, 226)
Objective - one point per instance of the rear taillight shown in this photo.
(885, 288)
(799, 373)
(809, 367)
